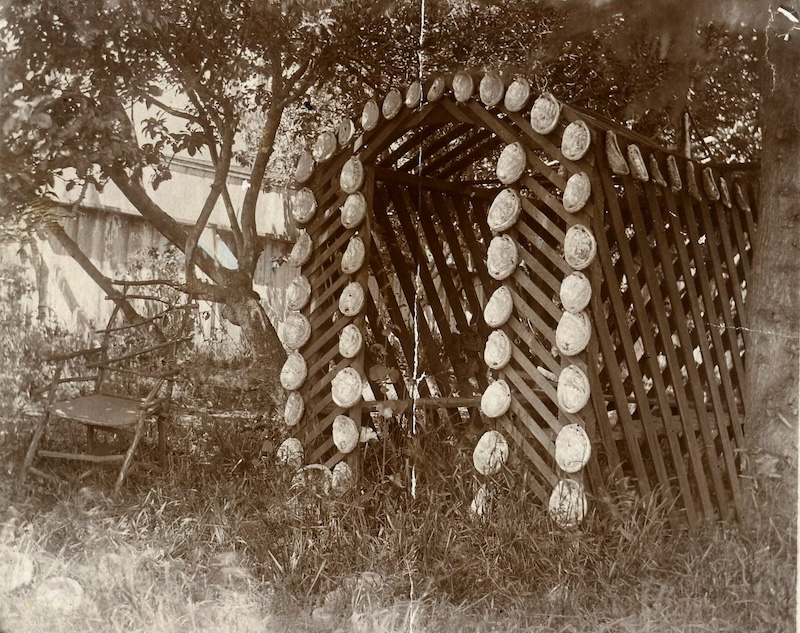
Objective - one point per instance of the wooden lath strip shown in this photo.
(534, 345)
(641, 235)
(555, 258)
(436, 144)
(731, 333)
(322, 301)
(461, 207)
(468, 158)
(627, 344)
(508, 426)
(442, 206)
(534, 399)
(476, 139)
(403, 271)
(535, 266)
(417, 137)
(651, 353)
(431, 184)
(709, 323)
(662, 243)
(524, 310)
(315, 272)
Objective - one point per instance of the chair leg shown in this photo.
(89, 438)
(31, 454)
(126, 464)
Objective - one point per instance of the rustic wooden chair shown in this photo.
(127, 382)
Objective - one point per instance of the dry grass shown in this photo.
(219, 545)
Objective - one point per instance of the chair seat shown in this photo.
(100, 410)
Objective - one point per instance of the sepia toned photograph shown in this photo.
(399, 316)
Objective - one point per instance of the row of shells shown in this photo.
(347, 385)
(716, 189)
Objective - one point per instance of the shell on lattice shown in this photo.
(351, 301)
(346, 131)
(544, 113)
(294, 372)
(567, 503)
(463, 86)
(491, 89)
(517, 94)
(303, 205)
(343, 479)
(301, 251)
(314, 478)
(290, 453)
(296, 330)
(576, 140)
(636, 162)
(655, 172)
(580, 247)
(354, 210)
(370, 116)
(350, 341)
(577, 192)
(499, 307)
(298, 294)
(294, 409)
(438, 86)
(575, 292)
(691, 181)
(305, 167)
(511, 163)
(709, 185)
(496, 399)
(490, 453)
(392, 103)
(573, 448)
(725, 193)
(413, 95)
(674, 175)
(497, 352)
(504, 210)
(353, 257)
(324, 147)
(345, 433)
(352, 176)
(573, 333)
(502, 257)
(741, 200)
(346, 387)
(614, 156)
(573, 389)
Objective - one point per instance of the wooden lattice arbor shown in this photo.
(663, 244)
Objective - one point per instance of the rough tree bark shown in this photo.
(773, 339)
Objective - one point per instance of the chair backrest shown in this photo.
(142, 352)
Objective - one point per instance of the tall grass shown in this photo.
(220, 543)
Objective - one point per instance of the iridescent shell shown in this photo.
(544, 113)
(580, 247)
(325, 147)
(303, 205)
(517, 94)
(343, 479)
(370, 116)
(575, 292)
(354, 210)
(345, 433)
(294, 409)
(301, 251)
(290, 453)
(346, 387)
(709, 185)
(352, 176)
(573, 389)
(573, 333)
(636, 162)
(573, 448)
(413, 95)
(350, 341)
(567, 503)
(491, 89)
(392, 103)
(497, 352)
(296, 330)
(674, 175)
(463, 86)
(353, 257)
(499, 307)
(577, 192)
(504, 210)
(511, 163)
(655, 172)
(614, 156)
(576, 140)
(490, 453)
(298, 294)
(346, 131)
(305, 167)
(294, 372)
(496, 399)
(351, 301)
(502, 257)
(435, 92)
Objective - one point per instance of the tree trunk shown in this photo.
(772, 302)
(260, 338)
